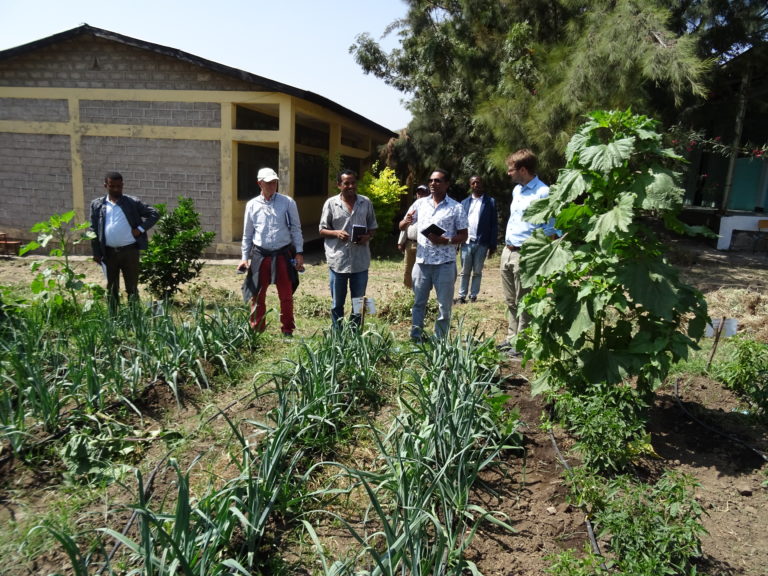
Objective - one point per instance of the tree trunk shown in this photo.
(736, 145)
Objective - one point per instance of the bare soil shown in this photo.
(697, 427)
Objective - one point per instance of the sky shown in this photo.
(302, 43)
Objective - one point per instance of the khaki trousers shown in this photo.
(513, 292)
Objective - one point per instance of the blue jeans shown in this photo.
(472, 261)
(443, 278)
(358, 282)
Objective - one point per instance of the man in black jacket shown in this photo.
(483, 231)
(120, 223)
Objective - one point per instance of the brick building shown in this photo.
(86, 101)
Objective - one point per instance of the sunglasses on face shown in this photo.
(435, 180)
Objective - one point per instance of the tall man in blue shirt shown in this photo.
(521, 168)
(483, 231)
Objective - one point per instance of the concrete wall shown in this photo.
(157, 171)
(34, 109)
(35, 179)
(197, 114)
(36, 170)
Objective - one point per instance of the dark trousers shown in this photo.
(125, 260)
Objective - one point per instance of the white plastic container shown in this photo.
(358, 303)
(730, 326)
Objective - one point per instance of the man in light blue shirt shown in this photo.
(272, 245)
(521, 168)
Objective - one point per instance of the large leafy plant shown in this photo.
(605, 304)
(746, 373)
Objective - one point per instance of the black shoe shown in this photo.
(473, 298)
(461, 300)
(504, 346)
(512, 353)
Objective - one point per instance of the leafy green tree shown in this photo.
(605, 304)
(445, 64)
(487, 77)
(723, 28)
(172, 257)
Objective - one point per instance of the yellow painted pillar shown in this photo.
(286, 145)
(228, 175)
(76, 159)
(334, 153)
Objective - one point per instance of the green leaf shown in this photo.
(672, 222)
(538, 212)
(648, 286)
(646, 343)
(615, 221)
(603, 365)
(543, 257)
(658, 190)
(582, 324)
(572, 216)
(571, 184)
(28, 247)
(605, 157)
(541, 383)
(576, 143)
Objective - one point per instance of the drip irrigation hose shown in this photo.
(717, 431)
(564, 463)
(587, 522)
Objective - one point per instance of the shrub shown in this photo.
(605, 304)
(384, 190)
(172, 256)
(651, 528)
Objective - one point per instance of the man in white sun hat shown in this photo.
(273, 244)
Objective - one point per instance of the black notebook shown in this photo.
(433, 229)
(358, 231)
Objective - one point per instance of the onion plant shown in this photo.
(323, 385)
(36, 367)
(267, 486)
(13, 427)
(186, 541)
(78, 560)
(420, 506)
